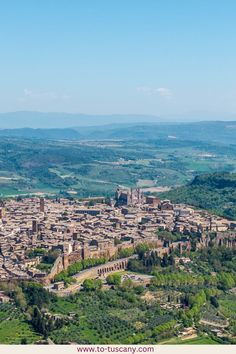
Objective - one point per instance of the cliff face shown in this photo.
(221, 239)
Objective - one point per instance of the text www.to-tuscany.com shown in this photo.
(114, 349)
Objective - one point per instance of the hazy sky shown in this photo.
(162, 57)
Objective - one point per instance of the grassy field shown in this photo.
(13, 326)
(14, 331)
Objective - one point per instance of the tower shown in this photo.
(65, 260)
(42, 205)
(180, 248)
(34, 226)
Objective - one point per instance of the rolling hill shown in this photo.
(215, 192)
(88, 128)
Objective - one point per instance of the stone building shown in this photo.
(129, 196)
(42, 205)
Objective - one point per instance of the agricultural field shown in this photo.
(95, 168)
(14, 329)
(128, 319)
(228, 305)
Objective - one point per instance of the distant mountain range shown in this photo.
(28, 119)
(216, 132)
(59, 120)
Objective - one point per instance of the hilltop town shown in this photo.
(95, 228)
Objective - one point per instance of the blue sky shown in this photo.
(161, 57)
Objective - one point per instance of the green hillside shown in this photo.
(215, 192)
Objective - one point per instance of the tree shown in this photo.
(108, 201)
(44, 323)
(141, 249)
(19, 298)
(37, 321)
(114, 279)
(226, 281)
(36, 295)
(127, 284)
(117, 241)
(125, 252)
(92, 284)
(139, 289)
(165, 261)
(214, 301)
(171, 260)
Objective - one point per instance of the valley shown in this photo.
(94, 168)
